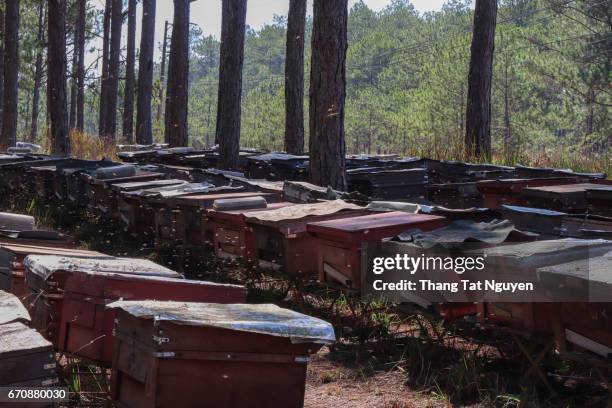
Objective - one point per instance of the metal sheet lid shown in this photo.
(18, 337)
(46, 265)
(262, 318)
(11, 309)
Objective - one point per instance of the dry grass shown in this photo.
(86, 146)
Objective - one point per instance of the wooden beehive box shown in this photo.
(232, 237)
(86, 322)
(133, 209)
(12, 270)
(210, 355)
(339, 241)
(103, 197)
(282, 242)
(26, 358)
(190, 215)
(46, 277)
(570, 198)
(496, 193)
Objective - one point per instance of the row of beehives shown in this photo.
(168, 340)
(326, 238)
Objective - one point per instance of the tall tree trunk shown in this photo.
(144, 132)
(113, 69)
(57, 120)
(80, 102)
(104, 76)
(327, 93)
(294, 78)
(38, 72)
(162, 73)
(11, 69)
(230, 82)
(128, 99)
(178, 77)
(2, 35)
(73, 75)
(478, 114)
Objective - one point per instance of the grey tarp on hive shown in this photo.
(45, 265)
(11, 309)
(16, 222)
(169, 191)
(298, 211)
(17, 337)
(261, 318)
(460, 231)
(140, 185)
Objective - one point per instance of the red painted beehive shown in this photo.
(86, 327)
(282, 241)
(12, 271)
(339, 241)
(211, 355)
(232, 237)
(46, 277)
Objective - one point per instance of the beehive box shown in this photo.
(496, 193)
(388, 183)
(26, 359)
(12, 270)
(86, 327)
(570, 198)
(340, 241)
(282, 242)
(133, 209)
(210, 355)
(189, 223)
(455, 195)
(46, 277)
(101, 195)
(519, 263)
(599, 200)
(232, 237)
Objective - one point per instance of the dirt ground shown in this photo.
(330, 384)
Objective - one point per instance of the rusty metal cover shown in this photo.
(11, 309)
(45, 265)
(264, 319)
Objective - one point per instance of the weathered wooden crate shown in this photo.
(132, 207)
(104, 199)
(86, 327)
(455, 195)
(26, 359)
(12, 271)
(599, 200)
(282, 242)
(520, 263)
(571, 198)
(46, 277)
(538, 220)
(232, 237)
(339, 241)
(388, 183)
(210, 355)
(496, 193)
(189, 223)
(586, 226)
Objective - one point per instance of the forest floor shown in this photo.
(385, 357)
